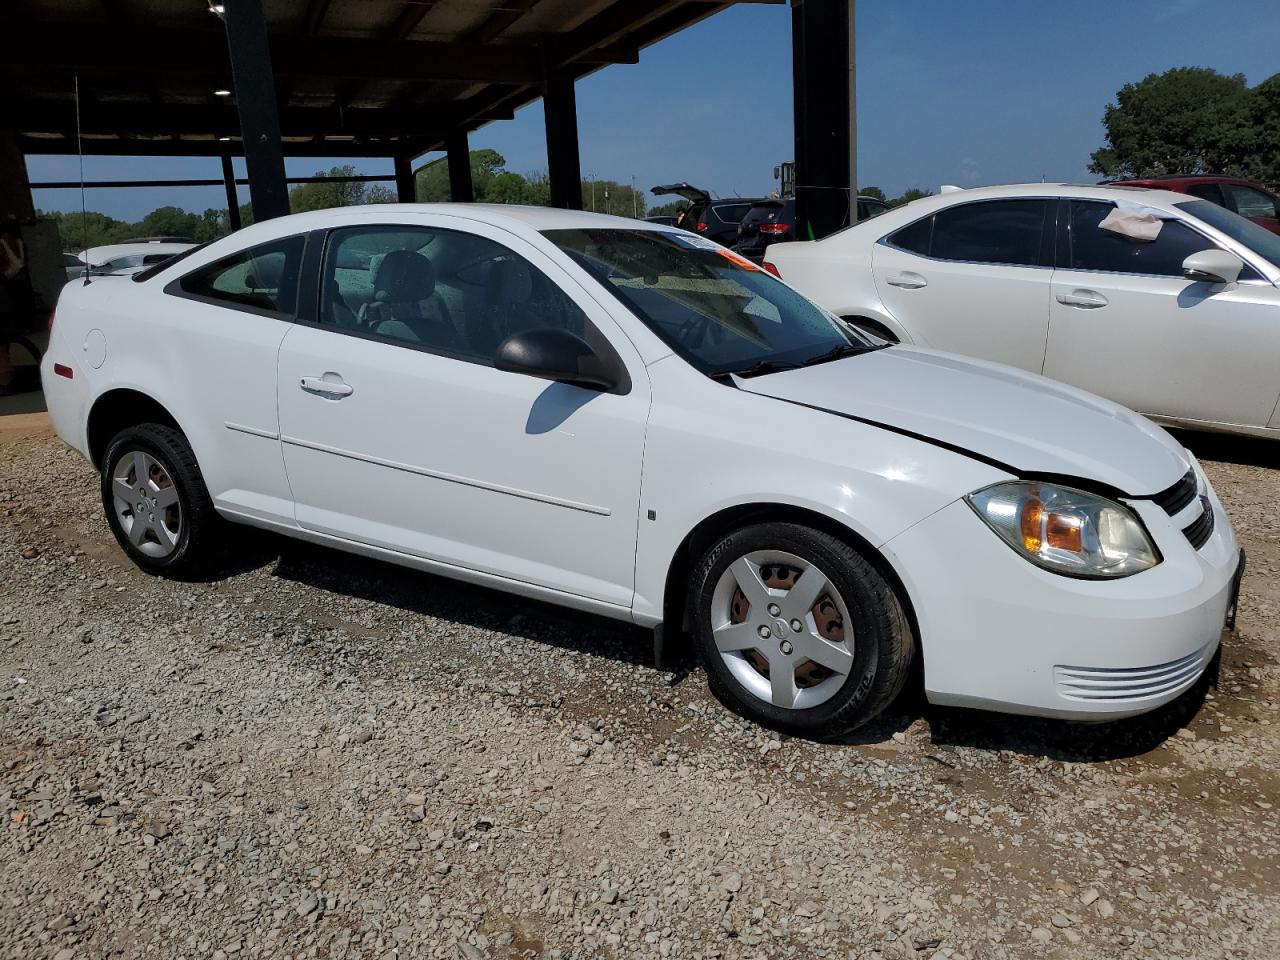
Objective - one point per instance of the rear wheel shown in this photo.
(156, 501)
(798, 631)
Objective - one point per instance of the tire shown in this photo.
(182, 548)
(863, 670)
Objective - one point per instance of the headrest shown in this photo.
(510, 281)
(403, 276)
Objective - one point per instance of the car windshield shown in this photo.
(1258, 239)
(716, 309)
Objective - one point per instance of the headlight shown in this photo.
(1067, 531)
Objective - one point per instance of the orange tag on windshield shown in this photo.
(737, 258)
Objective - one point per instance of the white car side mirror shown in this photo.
(1212, 266)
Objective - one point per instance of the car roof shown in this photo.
(1151, 196)
(110, 251)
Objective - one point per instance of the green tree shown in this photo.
(1185, 120)
(321, 196)
(168, 222)
(915, 193)
(873, 192)
(1255, 145)
(431, 180)
(667, 209)
(609, 196)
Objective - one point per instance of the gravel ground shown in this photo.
(321, 756)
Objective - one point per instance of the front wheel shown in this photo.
(798, 631)
(156, 501)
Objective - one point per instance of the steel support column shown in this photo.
(406, 192)
(560, 110)
(822, 52)
(15, 191)
(461, 189)
(233, 199)
(255, 90)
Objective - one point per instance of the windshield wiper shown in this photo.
(842, 350)
(764, 366)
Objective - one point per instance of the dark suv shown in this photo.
(1250, 200)
(717, 219)
(769, 221)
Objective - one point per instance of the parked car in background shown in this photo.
(1184, 327)
(716, 219)
(815, 510)
(666, 221)
(1251, 200)
(769, 221)
(132, 255)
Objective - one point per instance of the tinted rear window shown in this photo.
(732, 212)
(994, 231)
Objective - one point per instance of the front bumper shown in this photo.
(998, 633)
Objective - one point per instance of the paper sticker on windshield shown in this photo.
(691, 241)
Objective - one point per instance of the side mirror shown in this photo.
(1212, 266)
(556, 355)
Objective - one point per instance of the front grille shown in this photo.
(1200, 529)
(1117, 684)
(1175, 499)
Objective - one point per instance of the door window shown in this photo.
(444, 291)
(1249, 202)
(261, 279)
(1208, 191)
(1093, 248)
(991, 231)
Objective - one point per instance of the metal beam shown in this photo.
(560, 110)
(192, 53)
(406, 191)
(233, 199)
(58, 117)
(461, 189)
(208, 147)
(256, 100)
(822, 61)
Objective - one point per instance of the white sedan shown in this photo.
(632, 420)
(1165, 303)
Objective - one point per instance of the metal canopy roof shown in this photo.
(353, 77)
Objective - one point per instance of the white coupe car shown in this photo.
(1162, 302)
(632, 420)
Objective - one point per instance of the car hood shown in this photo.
(1026, 424)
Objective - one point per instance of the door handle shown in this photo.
(330, 385)
(1086, 299)
(908, 281)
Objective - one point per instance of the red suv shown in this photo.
(1247, 199)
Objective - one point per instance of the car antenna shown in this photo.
(84, 214)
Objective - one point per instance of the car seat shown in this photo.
(404, 305)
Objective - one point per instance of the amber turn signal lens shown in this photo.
(1031, 525)
(1063, 532)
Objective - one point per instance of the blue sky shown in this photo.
(970, 94)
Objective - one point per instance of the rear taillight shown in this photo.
(701, 227)
(770, 268)
(775, 229)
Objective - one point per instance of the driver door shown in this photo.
(398, 431)
(1125, 324)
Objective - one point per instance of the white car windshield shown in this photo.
(716, 309)
(1258, 239)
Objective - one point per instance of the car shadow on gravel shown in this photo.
(1229, 448)
(468, 605)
